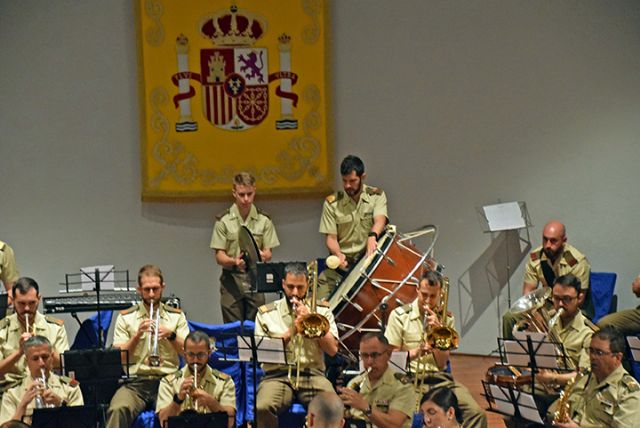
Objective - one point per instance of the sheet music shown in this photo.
(503, 402)
(399, 361)
(547, 356)
(516, 354)
(528, 408)
(270, 350)
(106, 275)
(535, 336)
(506, 216)
(634, 344)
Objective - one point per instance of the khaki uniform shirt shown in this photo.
(388, 393)
(127, 325)
(614, 402)
(215, 383)
(8, 268)
(274, 319)
(351, 222)
(225, 231)
(572, 261)
(405, 331)
(576, 338)
(63, 387)
(10, 332)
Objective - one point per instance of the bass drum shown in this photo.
(390, 276)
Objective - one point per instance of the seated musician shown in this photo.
(573, 330)
(378, 396)
(133, 333)
(279, 320)
(24, 323)
(42, 388)
(214, 392)
(405, 332)
(608, 396)
(554, 258)
(352, 221)
(325, 411)
(627, 321)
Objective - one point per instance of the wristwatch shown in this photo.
(172, 336)
(372, 233)
(367, 412)
(177, 399)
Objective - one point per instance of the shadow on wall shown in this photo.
(484, 280)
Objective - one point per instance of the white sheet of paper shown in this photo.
(516, 355)
(106, 274)
(535, 336)
(399, 361)
(270, 350)
(244, 348)
(506, 216)
(503, 402)
(546, 356)
(634, 344)
(528, 408)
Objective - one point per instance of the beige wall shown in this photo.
(452, 105)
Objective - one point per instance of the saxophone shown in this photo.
(562, 413)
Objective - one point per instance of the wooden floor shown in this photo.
(469, 370)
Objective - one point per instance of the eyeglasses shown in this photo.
(198, 355)
(565, 299)
(598, 352)
(372, 355)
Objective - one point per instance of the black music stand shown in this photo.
(199, 420)
(65, 417)
(511, 402)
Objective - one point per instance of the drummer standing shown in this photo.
(352, 221)
(237, 302)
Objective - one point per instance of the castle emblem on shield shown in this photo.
(234, 74)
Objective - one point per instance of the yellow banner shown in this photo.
(232, 86)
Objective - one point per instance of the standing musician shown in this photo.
(573, 330)
(283, 319)
(553, 259)
(236, 300)
(15, 331)
(406, 332)
(215, 391)
(352, 221)
(8, 269)
(377, 395)
(608, 396)
(135, 332)
(42, 388)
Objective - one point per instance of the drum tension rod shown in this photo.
(377, 284)
(355, 305)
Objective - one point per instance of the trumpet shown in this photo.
(39, 399)
(191, 405)
(152, 338)
(32, 329)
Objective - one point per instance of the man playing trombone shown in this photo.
(284, 319)
(152, 334)
(42, 388)
(410, 328)
(196, 387)
(23, 324)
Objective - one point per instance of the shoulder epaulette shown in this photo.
(406, 308)
(129, 310)
(220, 374)
(267, 308)
(534, 255)
(224, 213)
(631, 384)
(374, 191)
(264, 213)
(591, 325)
(53, 320)
(571, 261)
(68, 381)
(2, 245)
(172, 309)
(402, 377)
(4, 322)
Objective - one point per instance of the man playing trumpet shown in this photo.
(283, 319)
(196, 387)
(42, 388)
(406, 332)
(138, 332)
(23, 324)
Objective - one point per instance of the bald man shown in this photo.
(326, 410)
(554, 258)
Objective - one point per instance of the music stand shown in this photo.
(199, 420)
(506, 217)
(512, 402)
(4, 304)
(65, 417)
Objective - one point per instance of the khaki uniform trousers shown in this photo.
(628, 322)
(130, 400)
(275, 394)
(237, 301)
(472, 414)
(330, 279)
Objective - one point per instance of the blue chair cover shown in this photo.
(87, 336)
(146, 419)
(227, 344)
(602, 286)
